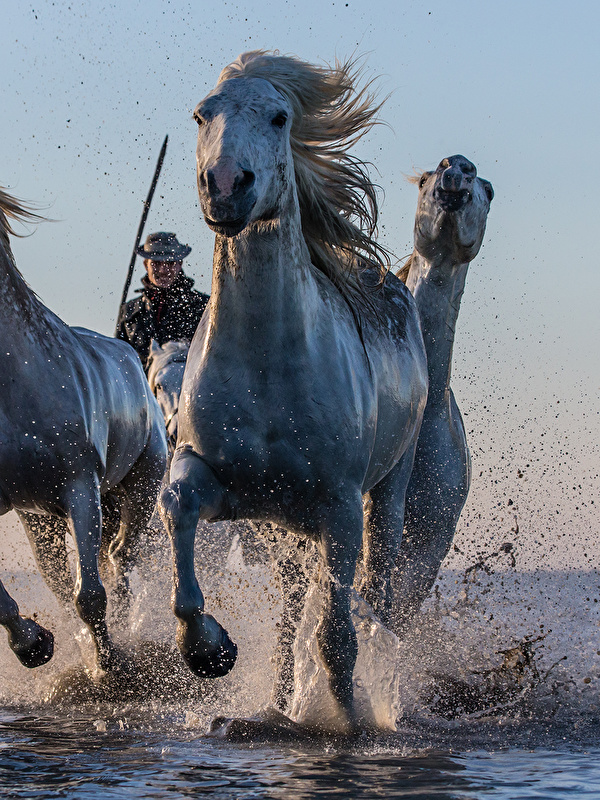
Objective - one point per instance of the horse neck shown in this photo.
(262, 282)
(21, 313)
(438, 291)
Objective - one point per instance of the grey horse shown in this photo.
(79, 425)
(165, 368)
(306, 380)
(449, 226)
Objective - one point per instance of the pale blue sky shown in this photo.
(91, 89)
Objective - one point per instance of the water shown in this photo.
(495, 695)
(65, 756)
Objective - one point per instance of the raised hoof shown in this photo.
(37, 653)
(206, 647)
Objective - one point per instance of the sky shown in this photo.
(89, 91)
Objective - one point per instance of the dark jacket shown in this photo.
(161, 314)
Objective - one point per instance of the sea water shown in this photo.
(494, 693)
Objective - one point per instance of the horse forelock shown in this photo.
(338, 201)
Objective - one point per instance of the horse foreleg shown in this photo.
(140, 490)
(32, 644)
(47, 539)
(340, 544)
(382, 537)
(85, 520)
(293, 580)
(435, 497)
(194, 493)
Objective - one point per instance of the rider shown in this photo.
(168, 308)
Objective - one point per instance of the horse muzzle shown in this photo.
(227, 199)
(451, 200)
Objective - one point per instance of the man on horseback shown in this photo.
(168, 308)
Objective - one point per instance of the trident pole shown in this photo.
(148, 200)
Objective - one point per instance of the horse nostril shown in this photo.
(202, 180)
(452, 179)
(210, 182)
(246, 181)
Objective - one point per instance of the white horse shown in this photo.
(306, 380)
(165, 370)
(449, 226)
(78, 423)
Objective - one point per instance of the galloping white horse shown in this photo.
(77, 422)
(166, 365)
(449, 225)
(306, 380)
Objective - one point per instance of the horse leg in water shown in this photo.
(47, 539)
(194, 493)
(383, 534)
(85, 522)
(434, 501)
(32, 644)
(340, 541)
(137, 496)
(293, 582)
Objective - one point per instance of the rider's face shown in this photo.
(162, 273)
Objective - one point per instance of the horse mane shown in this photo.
(402, 272)
(11, 208)
(338, 201)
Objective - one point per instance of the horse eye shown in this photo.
(279, 120)
(157, 387)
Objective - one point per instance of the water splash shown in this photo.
(376, 675)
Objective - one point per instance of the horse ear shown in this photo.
(154, 346)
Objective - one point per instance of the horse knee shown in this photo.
(178, 502)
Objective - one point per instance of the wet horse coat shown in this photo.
(77, 422)
(449, 227)
(299, 396)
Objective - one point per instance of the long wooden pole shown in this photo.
(140, 231)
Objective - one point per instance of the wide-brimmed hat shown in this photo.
(163, 246)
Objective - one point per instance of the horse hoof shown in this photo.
(38, 653)
(206, 647)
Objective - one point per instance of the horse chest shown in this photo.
(268, 439)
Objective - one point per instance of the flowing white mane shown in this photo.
(338, 201)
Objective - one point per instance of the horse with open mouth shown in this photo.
(79, 430)
(449, 227)
(306, 380)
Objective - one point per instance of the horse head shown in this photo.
(166, 366)
(452, 211)
(243, 155)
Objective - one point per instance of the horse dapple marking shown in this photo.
(78, 423)
(306, 380)
(449, 226)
